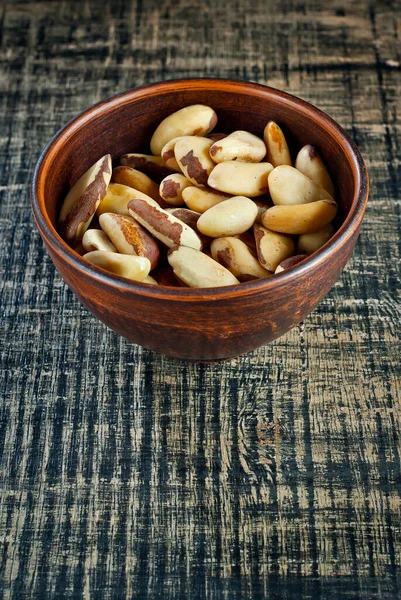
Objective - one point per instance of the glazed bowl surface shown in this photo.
(199, 324)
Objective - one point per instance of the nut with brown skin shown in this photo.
(137, 180)
(287, 185)
(192, 155)
(277, 148)
(238, 258)
(239, 145)
(290, 262)
(171, 189)
(272, 247)
(310, 163)
(163, 225)
(130, 267)
(83, 199)
(196, 269)
(240, 178)
(197, 119)
(191, 218)
(129, 237)
(298, 219)
(165, 276)
(153, 166)
(168, 155)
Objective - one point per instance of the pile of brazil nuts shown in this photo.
(204, 209)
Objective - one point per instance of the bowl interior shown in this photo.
(125, 123)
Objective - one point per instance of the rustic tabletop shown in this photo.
(128, 475)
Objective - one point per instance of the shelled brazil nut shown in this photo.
(200, 208)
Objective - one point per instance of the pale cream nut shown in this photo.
(198, 270)
(197, 119)
(150, 280)
(277, 148)
(137, 180)
(117, 198)
(308, 243)
(240, 179)
(130, 267)
(201, 199)
(96, 239)
(287, 185)
(272, 247)
(229, 217)
(310, 163)
(298, 219)
(240, 146)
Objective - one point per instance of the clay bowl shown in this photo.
(198, 324)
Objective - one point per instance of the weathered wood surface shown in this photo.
(128, 475)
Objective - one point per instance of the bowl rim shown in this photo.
(345, 231)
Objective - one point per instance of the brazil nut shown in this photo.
(310, 163)
(201, 199)
(197, 119)
(129, 237)
(308, 243)
(83, 199)
(238, 258)
(298, 219)
(240, 178)
(153, 166)
(96, 239)
(229, 217)
(277, 148)
(240, 146)
(192, 155)
(272, 247)
(130, 267)
(163, 225)
(287, 185)
(171, 189)
(137, 180)
(196, 269)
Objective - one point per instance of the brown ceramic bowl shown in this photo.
(198, 324)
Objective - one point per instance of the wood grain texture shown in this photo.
(128, 475)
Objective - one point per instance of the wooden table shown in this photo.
(128, 475)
